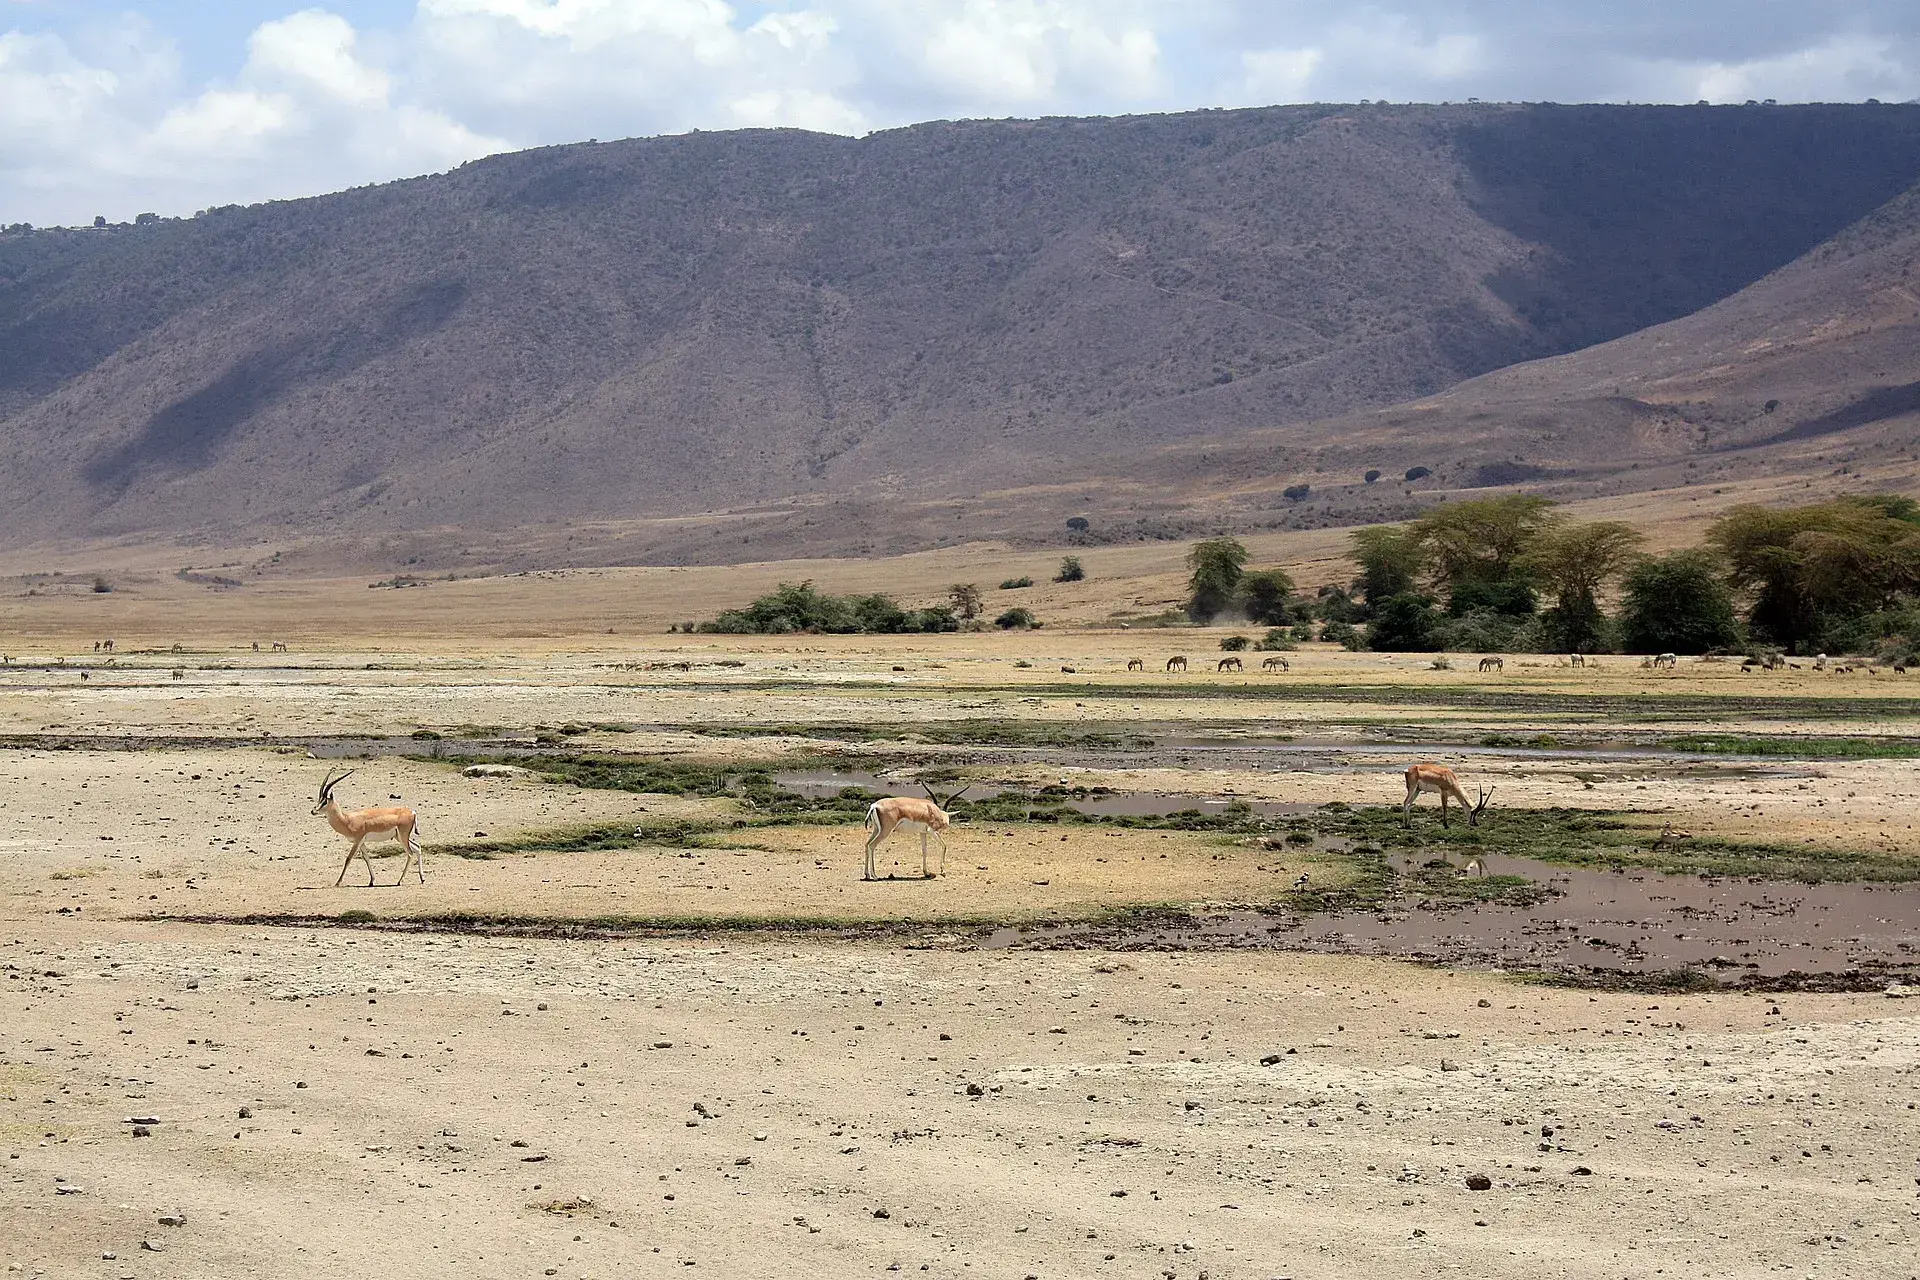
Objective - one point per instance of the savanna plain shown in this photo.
(1185, 996)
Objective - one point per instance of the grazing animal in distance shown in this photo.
(1275, 664)
(279, 646)
(1444, 783)
(1136, 664)
(929, 817)
(1577, 659)
(1177, 663)
(1230, 664)
(1493, 664)
(1665, 660)
(359, 825)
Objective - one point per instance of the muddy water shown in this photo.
(1592, 922)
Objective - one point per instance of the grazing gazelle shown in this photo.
(928, 817)
(358, 825)
(1441, 780)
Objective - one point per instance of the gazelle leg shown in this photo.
(1443, 811)
(364, 858)
(1406, 810)
(406, 858)
(924, 873)
(341, 878)
(873, 842)
(419, 858)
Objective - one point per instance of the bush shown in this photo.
(1266, 597)
(1014, 584)
(1278, 639)
(1296, 492)
(1372, 475)
(1513, 597)
(804, 608)
(1341, 633)
(101, 586)
(1015, 618)
(1418, 473)
(1481, 631)
(1677, 603)
(1234, 644)
(1405, 624)
(1078, 524)
(1071, 570)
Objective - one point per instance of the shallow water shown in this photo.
(1631, 921)
(1117, 804)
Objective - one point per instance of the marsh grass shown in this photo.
(1795, 747)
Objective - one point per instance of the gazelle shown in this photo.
(1442, 781)
(358, 825)
(928, 816)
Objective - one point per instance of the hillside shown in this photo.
(845, 342)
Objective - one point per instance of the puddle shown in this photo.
(1593, 922)
(1105, 804)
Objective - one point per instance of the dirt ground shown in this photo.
(871, 1106)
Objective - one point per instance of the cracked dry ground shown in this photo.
(420, 1105)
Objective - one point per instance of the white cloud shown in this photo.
(1845, 68)
(102, 117)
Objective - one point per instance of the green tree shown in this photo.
(1811, 568)
(1404, 624)
(1482, 540)
(1266, 594)
(965, 597)
(1574, 563)
(1217, 565)
(1391, 561)
(1015, 618)
(1677, 603)
(1071, 570)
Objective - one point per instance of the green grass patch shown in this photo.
(959, 733)
(1796, 748)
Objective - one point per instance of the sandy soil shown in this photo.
(1722, 1138)
(774, 1110)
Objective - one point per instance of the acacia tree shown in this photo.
(1811, 567)
(965, 597)
(1216, 565)
(1265, 594)
(1482, 541)
(1391, 561)
(1574, 563)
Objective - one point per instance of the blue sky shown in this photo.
(120, 108)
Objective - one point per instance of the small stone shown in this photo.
(542, 1006)
(173, 1219)
(976, 1091)
(1448, 1064)
(141, 1131)
(154, 1246)
(1581, 1171)
(759, 1137)
(246, 1113)
(1483, 1004)
(1270, 1060)
(141, 1120)
(299, 1084)
(881, 1213)
(1479, 1182)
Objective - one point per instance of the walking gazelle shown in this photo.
(360, 825)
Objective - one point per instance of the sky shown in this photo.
(116, 109)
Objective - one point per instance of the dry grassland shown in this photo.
(766, 1104)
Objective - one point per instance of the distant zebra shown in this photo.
(1275, 664)
(1230, 664)
(1493, 664)
(1136, 664)
(1177, 663)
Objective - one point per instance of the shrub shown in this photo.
(1078, 524)
(1481, 631)
(966, 600)
(1071, 570)
(1418, 473)
(1341, 633)
(1234, 644)
(101, 586)
(1297, 492)
(1265, 596)
(1278, 638)
(1373, 473)
(1015, 618)
(1677, 603)
(1014, 584)
(1405, 624)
